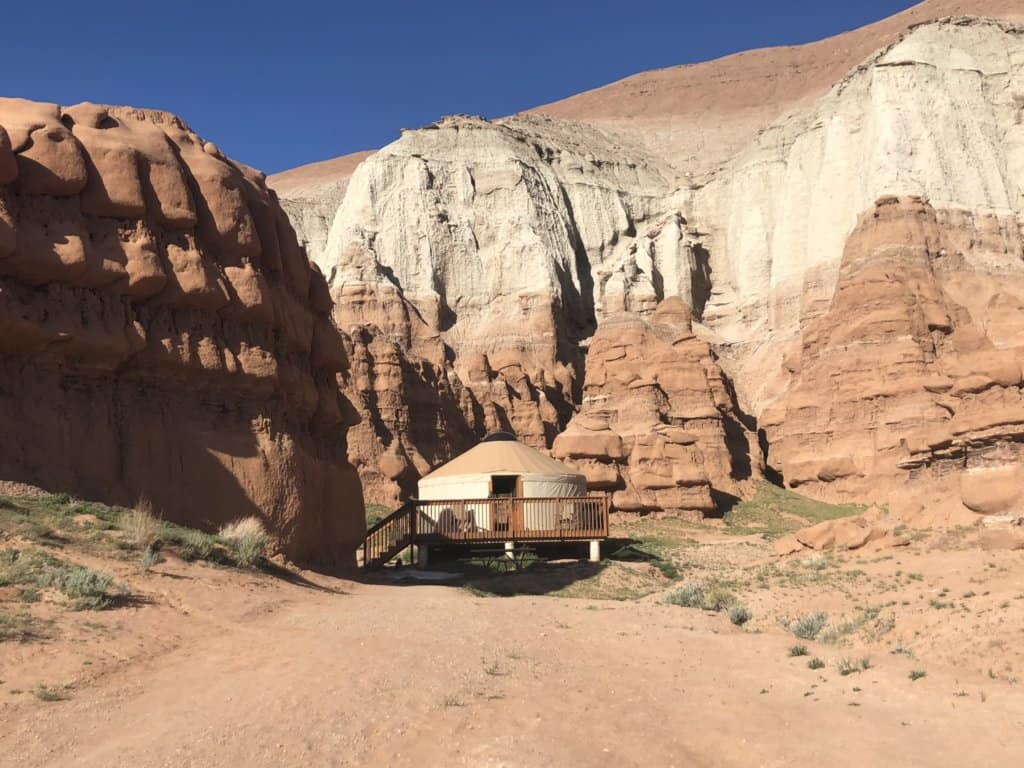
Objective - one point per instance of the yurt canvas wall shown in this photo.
(472, 476)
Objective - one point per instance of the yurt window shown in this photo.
(504, 485)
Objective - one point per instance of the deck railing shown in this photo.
(485, 521)
(512, 519)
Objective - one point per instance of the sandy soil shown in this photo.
(216, 667)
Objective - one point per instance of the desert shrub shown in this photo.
(21, 627)
(196, 545)
(249, 550)
(718, 599)
(86, 588)
(816, 663)
(27, 566)
(739, 615)
(807, 627)
(247, 539)
(916, 674)
(689, 596)
(848, 666)
(713, 597)
(50, 692)
(798, 650)
(815, 562)
(150, 557)
(141, 525)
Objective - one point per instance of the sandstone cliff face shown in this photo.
(469, 260)
(913, 376)
(658, 425)
(163, 333)
(500, 263)
(937, 115)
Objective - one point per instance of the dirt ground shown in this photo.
(906, 656)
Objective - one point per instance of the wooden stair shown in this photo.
(389, 537)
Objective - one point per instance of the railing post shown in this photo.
(413, 546)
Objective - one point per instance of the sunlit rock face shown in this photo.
(164, 335)
(913, 375)
(521, 274)
(470, 261)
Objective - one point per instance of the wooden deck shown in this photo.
(486, 521)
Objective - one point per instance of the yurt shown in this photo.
(501, 466)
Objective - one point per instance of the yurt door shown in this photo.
(505, 488)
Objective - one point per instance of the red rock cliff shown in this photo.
(163, 333)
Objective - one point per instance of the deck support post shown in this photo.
(422, 555)
(510, 547)
(595, 550)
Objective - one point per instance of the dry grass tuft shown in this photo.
(141, 525)
(247, 538)
(240, 529)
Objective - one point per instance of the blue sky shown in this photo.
(285, 83)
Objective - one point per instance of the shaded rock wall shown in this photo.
(162, 333)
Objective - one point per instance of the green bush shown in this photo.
(713, 597)
(798, 650)
(816, 663)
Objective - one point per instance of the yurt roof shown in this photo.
(501, 454)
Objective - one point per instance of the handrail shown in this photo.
(389, 536)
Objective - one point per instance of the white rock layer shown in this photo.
(506, 243)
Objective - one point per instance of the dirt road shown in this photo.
(262, 673)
